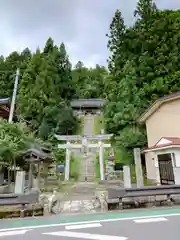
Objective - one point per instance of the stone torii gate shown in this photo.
(84, 145)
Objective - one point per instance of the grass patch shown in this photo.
(81, 125)
(74, 168)
(133, 177)
(97, 168)
(148, 183)
(122, 156)
(98, 124)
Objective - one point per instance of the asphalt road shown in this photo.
(162, 225)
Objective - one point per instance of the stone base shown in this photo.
(76, 206)
(102, 197)
(15, 211)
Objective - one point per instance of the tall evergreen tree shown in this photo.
(64, 84)
(144, 70)
(43, 92)
(115, 41)
(8, 70)
(49, 46)
(29, 105)
(144, 9)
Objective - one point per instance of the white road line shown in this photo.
(12, 233)
(80, 235)
(93, 225)
(91, 221)
(148, 220)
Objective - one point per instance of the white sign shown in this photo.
(84, 141)
(89, 236)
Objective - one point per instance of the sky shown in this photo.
(80, 24)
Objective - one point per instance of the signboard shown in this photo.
(60, 168)
(84, 141)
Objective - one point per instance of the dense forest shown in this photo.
(47, 85)
(144, 64)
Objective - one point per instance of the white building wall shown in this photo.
(150, 166)
(175, 163)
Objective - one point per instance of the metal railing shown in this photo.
(19, 199)
(117, 194)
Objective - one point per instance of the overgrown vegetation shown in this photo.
(15, 139)
(98, 124)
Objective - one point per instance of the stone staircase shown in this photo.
(87, 166)
(87, 171)
(88, 125)
(81, 199)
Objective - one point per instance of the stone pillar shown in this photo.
(138, 167)
(39, 175)
(127, 176)
(30, 178)
(84, 145)
(36, 178)
(158, 181)
(20, 182)
(67, 167)
(45, 173)
(101, 160)
(35, 183)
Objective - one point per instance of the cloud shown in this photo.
(81, 24)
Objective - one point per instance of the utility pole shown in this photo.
(11, 113)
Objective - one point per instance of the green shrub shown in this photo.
(74, 168)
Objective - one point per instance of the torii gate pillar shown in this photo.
(67, 164)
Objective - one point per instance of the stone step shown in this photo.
(87, 167)
(77, 206)
(87, 177)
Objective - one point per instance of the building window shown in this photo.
(173, 159)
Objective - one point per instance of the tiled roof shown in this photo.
(165, 142)
(93, 102)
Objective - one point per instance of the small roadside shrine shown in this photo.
(38, 160)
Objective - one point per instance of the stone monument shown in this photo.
(138, 167)
(127, 176)
(20, 182)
